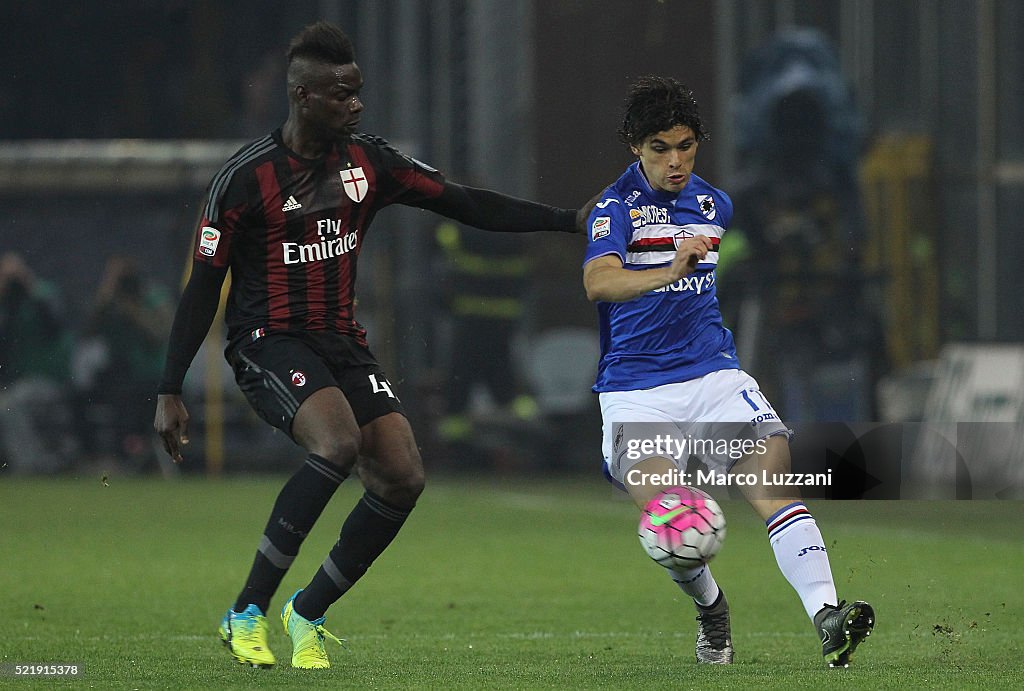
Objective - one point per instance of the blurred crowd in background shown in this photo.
(79, 389)
(875, 174)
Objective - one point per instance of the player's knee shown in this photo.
(339, 450)
(405, 490)
(403, 485)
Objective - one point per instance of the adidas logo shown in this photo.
(291, 205)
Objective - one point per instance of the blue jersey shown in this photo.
(675, 333)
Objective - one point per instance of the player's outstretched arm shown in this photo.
(489, 210)
(196, 311)
(605, 279)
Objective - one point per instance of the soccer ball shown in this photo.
(682, 528)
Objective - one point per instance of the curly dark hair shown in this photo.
(657, 104)
(322, 42)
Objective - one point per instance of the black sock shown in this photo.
(299, 504)
(368, 530)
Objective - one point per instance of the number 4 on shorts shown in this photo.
(381, 386)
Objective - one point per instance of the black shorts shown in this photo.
(279, 371)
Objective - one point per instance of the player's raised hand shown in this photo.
(171, 423)
(688, 254)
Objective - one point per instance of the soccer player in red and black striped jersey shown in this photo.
(288, 215)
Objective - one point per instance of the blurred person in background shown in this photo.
(288, 215)
(35, 351)
(484, 285)
(799, 142)
(669, 365)
(118, 363)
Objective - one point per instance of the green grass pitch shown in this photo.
(495, 585)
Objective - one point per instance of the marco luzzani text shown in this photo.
(677, 478)
(674, 447)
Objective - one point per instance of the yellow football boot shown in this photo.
(245, 635)
(307, 638)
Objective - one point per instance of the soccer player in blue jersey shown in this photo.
(669, 366)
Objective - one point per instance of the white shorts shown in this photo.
(716, 419)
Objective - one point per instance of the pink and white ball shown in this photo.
(682, 528)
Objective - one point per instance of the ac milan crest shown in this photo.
(354, 182)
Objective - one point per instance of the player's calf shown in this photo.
(682, 528)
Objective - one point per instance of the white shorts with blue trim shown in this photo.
(716, 419)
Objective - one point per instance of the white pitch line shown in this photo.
(447, 637)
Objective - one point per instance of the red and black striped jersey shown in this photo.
(290, 229)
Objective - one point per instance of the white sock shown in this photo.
(698, 583)
(800, 552)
